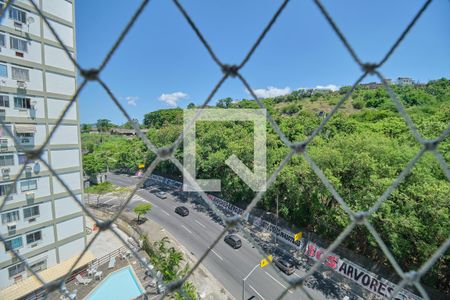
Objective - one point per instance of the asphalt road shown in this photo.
(197, 232)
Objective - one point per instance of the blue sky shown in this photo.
(162, 63)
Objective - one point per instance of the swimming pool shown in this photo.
(119, 285)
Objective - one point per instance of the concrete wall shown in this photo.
(64, 32)
(65, 135)
(57, 57)
(70, 249)
(59, 8)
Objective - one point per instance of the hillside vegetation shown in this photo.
(361, 150)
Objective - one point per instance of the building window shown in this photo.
(6, 189)
(28, 185)
(24, 134)
(17, 15)
(6, 160)
(14, 243)
(23, 159)
(2, 40)
(4, 101)
(34, 237)
(11, 216)
(17, 269)
(18, 44)
(3, 71)
(30, 212)
(22, 103)
(39, 265)
(20, 74)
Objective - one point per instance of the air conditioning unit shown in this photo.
(21, 84)
(3, 145)
(11, 229)
(5, 173)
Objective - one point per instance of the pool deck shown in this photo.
(84, 290)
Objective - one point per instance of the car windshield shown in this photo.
(285, 263)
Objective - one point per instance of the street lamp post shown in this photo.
(276, 234)
(245, 278)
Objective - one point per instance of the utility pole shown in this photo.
(276, 234)
(245, 278)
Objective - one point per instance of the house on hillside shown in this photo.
(125, 132)
(405, 81)
(371, 85)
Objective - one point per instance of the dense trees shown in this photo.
(103, 152)
(162, 117)
(361, 150)
(169, 262)
(104, 125)
(86, 127)
(129, 125)
(224, 103)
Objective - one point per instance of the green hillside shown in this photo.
(361, 150)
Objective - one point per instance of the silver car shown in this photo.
(161, 195)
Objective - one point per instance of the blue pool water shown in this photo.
(120, 285)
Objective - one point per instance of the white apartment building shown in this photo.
(39, 220)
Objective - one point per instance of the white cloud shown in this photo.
(330, 87)
(271, 92)
(131, 100)
(172, 98)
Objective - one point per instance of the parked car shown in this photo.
(182, 211)
(285, 265)
(161, 195)
(233, 240)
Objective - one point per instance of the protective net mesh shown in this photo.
(358, 218)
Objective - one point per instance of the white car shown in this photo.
(161, 195)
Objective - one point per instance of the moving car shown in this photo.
(161, 195)
(284, 265)
(182, 211)
(233, 240)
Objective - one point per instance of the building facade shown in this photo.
(405, 81)
(39, 219)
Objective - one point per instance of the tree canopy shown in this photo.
(361, 150)
(104, 125)
(142, 209)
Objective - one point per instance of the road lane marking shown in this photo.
(200, 223)
(109, 200)
(220, 257)
(274, 279)
(297, 275)
(165, 212)
(186, 229)
(262, 298)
